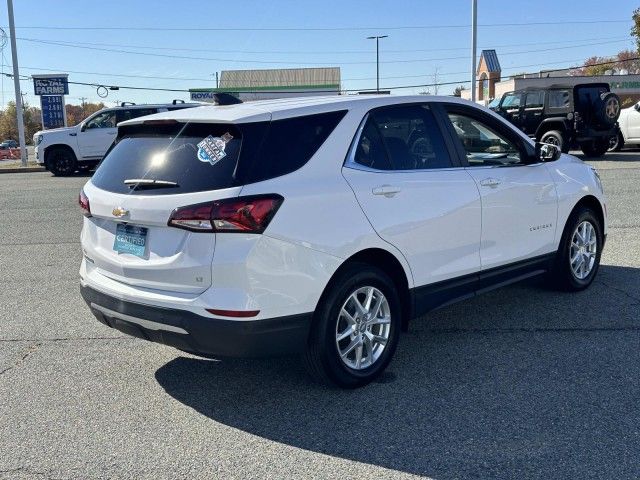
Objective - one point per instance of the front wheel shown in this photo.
(356, 328)
(556, 137)
(578, 257)
(61, 162)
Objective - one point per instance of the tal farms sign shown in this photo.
(50, 84)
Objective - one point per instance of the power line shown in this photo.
(398, 87)
(269, 62)
(317, 52)
(318, 29)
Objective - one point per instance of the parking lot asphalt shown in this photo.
(522, 382)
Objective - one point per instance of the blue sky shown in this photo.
(410, 56)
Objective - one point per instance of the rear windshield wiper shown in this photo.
(136, 183)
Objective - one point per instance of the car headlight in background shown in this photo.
(38, 140)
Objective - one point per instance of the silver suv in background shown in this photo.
(63, 151)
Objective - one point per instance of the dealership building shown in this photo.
(490, 85)
(277, 83)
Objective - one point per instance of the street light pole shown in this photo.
(377, 39)
(474, 40)
(16, 84)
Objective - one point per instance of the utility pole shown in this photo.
(474, 40)
(216, 79)
(82, 100)
(436, 79)
(377, 39)
(16, 84)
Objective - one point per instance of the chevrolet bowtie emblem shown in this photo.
(120, 212)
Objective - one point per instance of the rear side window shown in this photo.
(559, 98)
(290, 143)
(402, 138)
(197, 157)
(129, 113)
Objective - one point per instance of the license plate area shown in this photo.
(131, 239)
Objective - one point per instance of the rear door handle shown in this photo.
(386, 190)
(490, 182)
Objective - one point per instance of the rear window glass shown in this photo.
(196, 157)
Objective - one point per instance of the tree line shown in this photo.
(33, 119)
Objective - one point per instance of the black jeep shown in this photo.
(583, 115)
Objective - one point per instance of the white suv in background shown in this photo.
(65, 150)
(321, 226)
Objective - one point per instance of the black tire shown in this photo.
(556, 137)
(322, 358)
(616, 142)
(596, 148)
(61, 161)
(562, 274)
(608, 109)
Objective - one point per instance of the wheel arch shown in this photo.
(389, 264)
(50, 148)
(591, 202)
(551, 124)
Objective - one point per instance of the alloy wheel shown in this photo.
(363, 328)
(584, 247)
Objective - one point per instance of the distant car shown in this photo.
(10, 143)
(628, 132)
(62, 151)
(8, 153)
(321, 226)
(583, 115)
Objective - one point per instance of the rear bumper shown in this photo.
(200, 335)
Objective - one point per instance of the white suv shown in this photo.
(321, 226)
(65, 150)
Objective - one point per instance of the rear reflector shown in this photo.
(250, 214)
(83, 201)
(234, 313)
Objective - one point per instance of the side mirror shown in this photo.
(83, 127)
(637, 107)
(547, 152)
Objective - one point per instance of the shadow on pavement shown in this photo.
(519, 383)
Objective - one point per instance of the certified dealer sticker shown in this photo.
(212, 149)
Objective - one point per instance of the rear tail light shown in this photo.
(83, 201)
(250, 214)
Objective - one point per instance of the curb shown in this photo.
(22, 170)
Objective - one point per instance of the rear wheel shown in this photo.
(616, 142)
(61, 161)
(578, 257)
(596, 148)
(555, 137)
(356, 328)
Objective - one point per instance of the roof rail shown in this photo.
(177, 101)
(124, 104)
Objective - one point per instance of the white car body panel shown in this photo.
(441, 225)
(518, 213)
(629, 124)
(447, 201)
